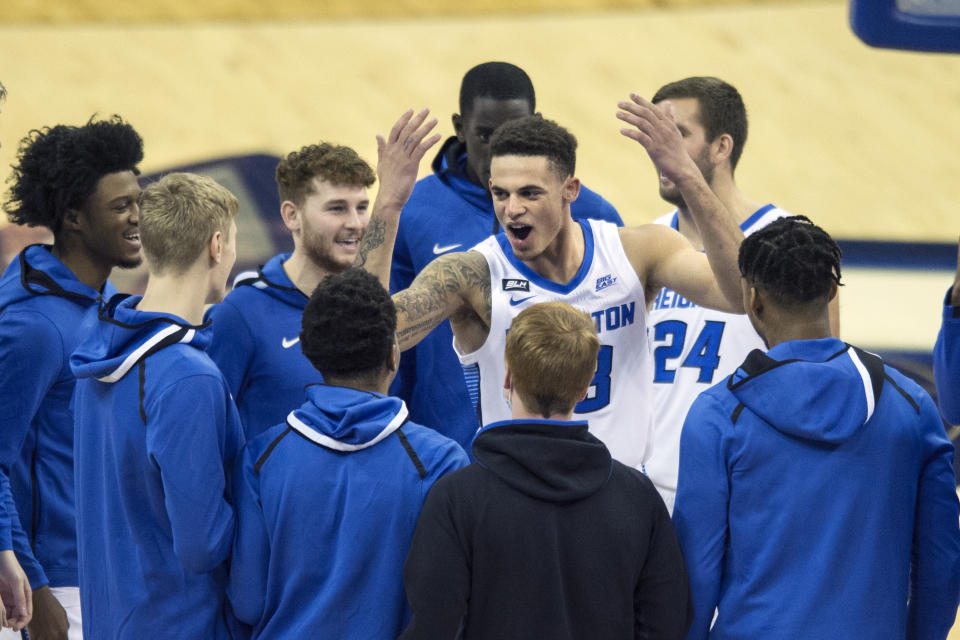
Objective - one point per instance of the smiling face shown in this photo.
(531, 201)
(475, 127)
(333, 220)
(686, 114)
(108, 222)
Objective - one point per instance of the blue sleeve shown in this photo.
(700, 511)
(946, 363)
(31, 358)
(592, 205)
(249, 565)
(935, 571)
(401, 275)
(232, 346)
(186, 439)
(450, 457)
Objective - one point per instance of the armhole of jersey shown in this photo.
(472, 357)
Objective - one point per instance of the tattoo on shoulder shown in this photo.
(372, 238)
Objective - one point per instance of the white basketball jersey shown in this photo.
(693, 348)
(617, 406)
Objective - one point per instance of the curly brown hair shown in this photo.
(337, 164)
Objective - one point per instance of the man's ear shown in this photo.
(457, 120)
(571, 189)
(393, 358)
(722, 147)
(833, 290)
(216, 247)
(71, 220)
(507, 380)
(290, 215)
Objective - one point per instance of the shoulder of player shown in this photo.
(645, 243)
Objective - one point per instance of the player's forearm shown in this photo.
(376, 247)
(720, 233)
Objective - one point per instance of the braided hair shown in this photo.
(792, 260)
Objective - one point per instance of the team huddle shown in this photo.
(478, 407)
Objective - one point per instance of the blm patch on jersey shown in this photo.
(515, 284)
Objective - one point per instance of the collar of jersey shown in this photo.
(746, 224)
(544, 283)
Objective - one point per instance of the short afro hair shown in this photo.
(792, 260)
(721, 108)
(58, 168)
(337, 164)
(497, 80)
(348, 325)
(536, 136)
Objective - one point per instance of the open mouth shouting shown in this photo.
(519, 231)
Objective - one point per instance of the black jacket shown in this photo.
(545, 536)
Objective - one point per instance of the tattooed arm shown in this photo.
(455, 286)
(398, 161)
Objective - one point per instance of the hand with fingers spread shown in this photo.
(654, 128)
(399, 155)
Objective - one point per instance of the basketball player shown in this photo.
(544, 255)
(81, 183)
(328, 499)
(816, 496)
(157, 431)
(324, 204)
(946, 353)
(694, 346)
(452, 210)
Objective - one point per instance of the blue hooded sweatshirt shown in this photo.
(326, 507)
(42, 307)
(256, 344)
(157, 438)
(946, 362)
(447, 212)
(816, 494)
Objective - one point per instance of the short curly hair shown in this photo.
(792, 260)
(537, 136)
(337, 164)
(58, 168)
(497, 80)
(348, 326)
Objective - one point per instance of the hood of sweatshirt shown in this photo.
(450, 166)
(552, 460)
(821, 390)
(37, 272)
(345, 419)
(273, 280)
(124, 336)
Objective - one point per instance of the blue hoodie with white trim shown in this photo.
(326, 507)
(157, 435)
(42, 308)
(256, 344)
(816, 494)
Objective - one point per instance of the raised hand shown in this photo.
(399, 155)
(653, 127)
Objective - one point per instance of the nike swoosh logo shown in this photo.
(515, 301)
(289, 343)
(437, 249)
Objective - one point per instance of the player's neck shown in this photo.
(519, 411)
(732, 198)
(183, 295)
(84, 266)
(790, 326)
(304, 273)
(560, 261)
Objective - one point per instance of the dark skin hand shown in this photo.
(49, 619)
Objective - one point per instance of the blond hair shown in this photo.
(552, 355)
(178, 215)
